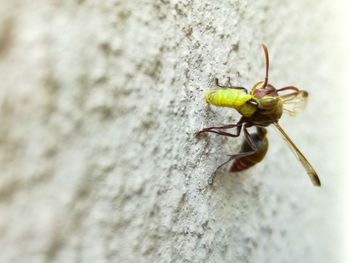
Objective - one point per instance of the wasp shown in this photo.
(263, 106)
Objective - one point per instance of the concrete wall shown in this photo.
(99, 101)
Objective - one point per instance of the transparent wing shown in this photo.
(295, 102)
(309, 169)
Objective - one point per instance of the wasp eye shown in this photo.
(268, 100)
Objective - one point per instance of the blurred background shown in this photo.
(99, 101)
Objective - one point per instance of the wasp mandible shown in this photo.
(260, 108)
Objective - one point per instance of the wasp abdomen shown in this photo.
(241, 164)
(261, 142)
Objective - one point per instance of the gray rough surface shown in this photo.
(99, 102)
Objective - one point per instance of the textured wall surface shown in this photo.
(99, 101)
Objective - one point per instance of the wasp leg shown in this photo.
(232, 157)
(249, 138)
(229, 126)
(239, 128)
(229, 85)
(251, 143)
(212, 129)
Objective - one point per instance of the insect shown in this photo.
(247, 158)
(261, 107)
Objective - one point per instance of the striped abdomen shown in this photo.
(231, 98)
(262, 144)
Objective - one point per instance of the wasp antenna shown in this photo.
(288, 88)
(267, 65)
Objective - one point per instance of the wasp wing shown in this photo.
(309, 169)
(295, 102)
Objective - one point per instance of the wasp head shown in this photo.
(265, 96)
